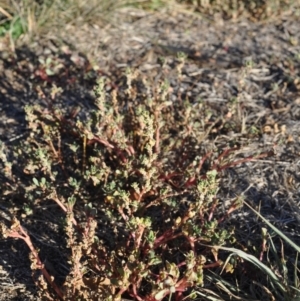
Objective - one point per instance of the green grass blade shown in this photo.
(283, 236)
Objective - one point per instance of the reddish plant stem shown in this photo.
(226, 152)
(248, 159)
(213, 208)
(199, 168)
(168, 235)
(218, 168)
(25, 237)
(135, 294)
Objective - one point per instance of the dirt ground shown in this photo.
(217, 53)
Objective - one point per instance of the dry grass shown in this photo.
(35, 18)
(253, 9)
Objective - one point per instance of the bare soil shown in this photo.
(217, 53)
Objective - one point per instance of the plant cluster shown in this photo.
(142, 218)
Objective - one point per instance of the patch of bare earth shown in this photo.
(246, 74)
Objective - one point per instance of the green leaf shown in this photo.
(43, 181)
(50, 72)
(36, 182)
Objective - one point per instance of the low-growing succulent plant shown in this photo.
(139, 192)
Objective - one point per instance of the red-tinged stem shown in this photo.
(223, 154)
(212, 265)
(179, 296)
(182, 285)
(181, 264)
(192, 180)
(101, 141)
(123, 214)
(169, 176)
(192, 240)
(24, 236)
(135, 295)
(63, 207)
(139, 237)
(214, 205)
(248, 159)
(202, 162)
(168, 235)
(230, 210)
